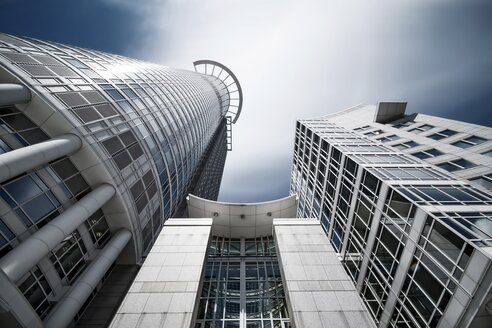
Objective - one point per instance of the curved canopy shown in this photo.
(242, 220)
(215, 69)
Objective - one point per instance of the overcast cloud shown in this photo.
(301, 59)
(308, 58)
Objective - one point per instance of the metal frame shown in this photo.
(232, 88)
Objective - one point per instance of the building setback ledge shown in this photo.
(296, 222)
(189, 222)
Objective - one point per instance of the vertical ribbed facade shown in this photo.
(147, 130)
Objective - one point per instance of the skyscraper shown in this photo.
(412, 232)
(97, 151)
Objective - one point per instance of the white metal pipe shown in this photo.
(13, 94)
(71, 303)
(22, 258)
(20, 160)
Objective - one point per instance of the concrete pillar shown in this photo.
(71, 303)
(13, 94)
(20, 160)
(319, 292)
(22, 258)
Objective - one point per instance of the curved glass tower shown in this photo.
(96, 152)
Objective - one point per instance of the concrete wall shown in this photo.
(318, 290)
(165, 290)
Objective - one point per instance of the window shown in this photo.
(361, 149)
(443, 195)
(392, 137)
(408, 173)
(370, 186)
(76, 63)
(31, 199)
(6, 237)
(426, 291)
(23, 131)
(442, 134)
(422, 128)
(374, 133)
(445, 246)
(68, 257)
(383, 159)
(36, 290)
(98, 228)
(400, 210)
(469, 142)
(406, 145)
(456, 165)
(484, 181)
(242, 276)
(488, 153)
(4, 147)
(403, 124)
(428, 153)
(363, 128)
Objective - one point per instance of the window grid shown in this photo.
(408, 173)
(432, 152)
(37, 291)
(403, 124)
(242, 285)
(475, 227)
(456, 165)
(484, 181)
(425, 292)
(469, 142)
(31, 199)
(373, 133)
(405, 145)
(422, 128)
(69, 257)
(389, 138)
(384, 159)
(445, 195)
(445, 247)
(442, 134)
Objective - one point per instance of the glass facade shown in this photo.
(242, 285)
(378, 207)
(149, 124)
(155, 133)
(32, 199)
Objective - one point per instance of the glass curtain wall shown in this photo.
(242, 286)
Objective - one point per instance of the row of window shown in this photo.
(112, 103)
(463, 143)
(36, 198)
(443, 250)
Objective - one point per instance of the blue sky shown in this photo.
(294, 59)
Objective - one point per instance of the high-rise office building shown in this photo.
(96, 152)
(408, 214)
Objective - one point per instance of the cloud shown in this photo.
(299, 59)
